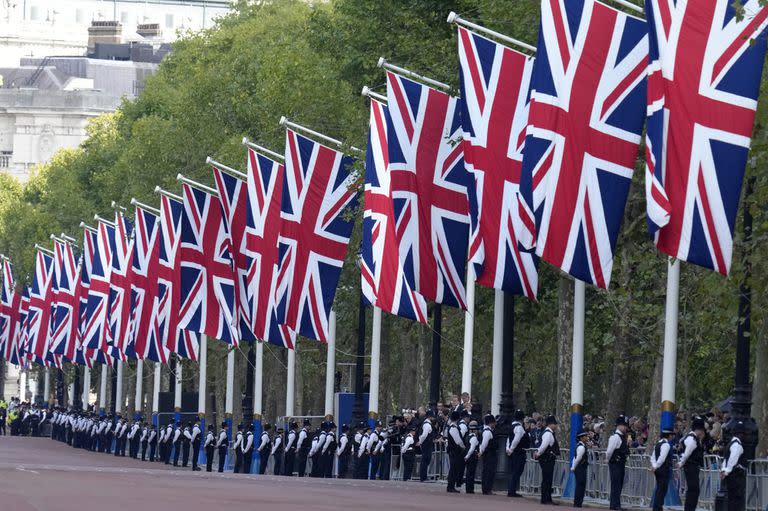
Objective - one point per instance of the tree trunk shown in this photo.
(3, 367)
(130, 391)
(760, 386)
(564, 356)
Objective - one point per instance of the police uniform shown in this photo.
(303, 445)
(470, 457)
(177, 444)
(488, 452)
(661, 465)
(236, 447)
(210, 446)
(734, 469)
(265, 447)
(517, 443)
(152, 443)
(617, 453)
(222, 444)
(144, 441)
(186, 443)
(248, 450)
(408, 453)
(579, 468)
(361, 463)
(290, 449)
(426, 443)
(456, 450)
(196, 441)
(691, 462)
(373, 450)
(343, 452)
(278, 452)
(547, 454)
(328, 450)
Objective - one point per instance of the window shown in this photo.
(169, 21)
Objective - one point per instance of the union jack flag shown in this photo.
(39, 315)
(314, 234)
(586, 117)
(144, 278)
(90, 242)
(429, 188)
(166, 331)
(495, 81)
(233, 197)
(10, 303)
(207, 278)
(265, 192)
(21, 333)
(65, 334)
(120, 289)
(384, 282)
(95, 324)
(703, 83)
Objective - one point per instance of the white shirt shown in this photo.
(152, 434)
(168, 433)
(487, 437)
(580, 451)
(614, 442)
(473, 443)
(248, 442)
(195, 432)
(736, 450)
(547, 440)
(264, 441)
(455, 433)
(343, 441)
(328, 439)
(512, 442)
(408, 444)
(426, 430)
(222, 438)
(690, 443)
(187, 434)
(291, 439)
(278, 441)
(363, 445)
(209, 439)
(238, 440)
(176, 435)
(302, 438)
(663, 453)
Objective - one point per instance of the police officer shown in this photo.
(389, 437)
(691, 462)
(248, 450)
(357, 439)
(617, 453)
(343, 451)
(177, 444)
(135, 440)
(210, 445)
(426, 443)
(278, 452)
(517, 443)
(547, 454)
(186, 443)
(661, 466)
(303, 444)
(408, 452)
(374, 439)
(314, 452)
(222, 444)
(168, 443)
(328, 451)
(152, 443)
(734, 471)
(265, 446)
(196, 441)
(470, 458)
(487, 452)
(579, 468)
(237, 448)
(290, 448)
(144, 440)
(456, 450)
(361, 465)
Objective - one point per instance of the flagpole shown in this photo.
(498, 350)
(258, 148)
(103, 391)
(139, 389)
(257, 400)
(226, 168)
(202, 390)
(410, 74)
(373, 391)
(86, 387)
(434, 373)
(156, 395)
(330, 366)
(298, 127)
(455, 18)
(669, 372)
(177, 393)
(469, 333)
(47, 387)
(119, 389)
(23, 385)
(229, 401)
(290, 385)
(577, 362)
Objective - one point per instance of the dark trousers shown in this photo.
(343, 466)
(238, 460)
(736, 483)
(176, 452)
(222, 457)
(361, 467)
(316, 470)
(301, 461)
(144, 450)
(327, 464)
(209, 458)
(426, 459)
(580, 478)
(195, 453)
(489, 471)
(456, 468)
(247, 458)
(278, 466)
(408, 460)
(290, 457)
(384, 465)
(691, 486)
(662, 485)
(135, 447)
(168, 450)
(547, 471)
(471, 473)
(516, 466)
(375, 464)
(185, 453)
(118, 445)
(616, 471)
(152, 448)
(263, 459)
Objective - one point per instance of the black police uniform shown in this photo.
(616, 468)
(547, 463)
(691, 470)
(580, 476)
(490, 455)
(662, 475)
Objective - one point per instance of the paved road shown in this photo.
(42, 475)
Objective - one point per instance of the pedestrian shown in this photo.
(177, 444)
(579, 467)
(734, 471)
(210, 446)
(152, 443)
(661, 466)
(517, 443)
(186, 443)
(616, 454)
(488, 453)
(547, 454)
(470, 458)
(691, 462)
(144, 440)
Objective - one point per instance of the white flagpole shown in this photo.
(156, 395)
(229, 396)
(103, 390)
(669, 370)
(330, 365)
(23, 386)
(86, 387)
(177, 392)
(47, 386)
(469, 332)
(119, 392)
(258, 379)
(290, 385)
(71, 392)
(498, 350)
(202, 382)
(577, 362)
(138, 401)
(373, 392)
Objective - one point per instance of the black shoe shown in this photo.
(487, 493)
(453, 490)
(516, 495)
(196, 469)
